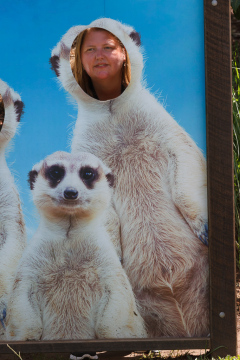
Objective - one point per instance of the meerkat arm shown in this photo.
(188, 179)
(23, 320)
(118, 314)
(112, 224)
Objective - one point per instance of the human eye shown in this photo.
(108, 47)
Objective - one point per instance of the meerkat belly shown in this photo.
(71, 291)
(153, 232)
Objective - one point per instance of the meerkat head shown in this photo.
(11, 110)
(65, 184)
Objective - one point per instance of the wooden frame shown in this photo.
(221, 213)
(220, 177)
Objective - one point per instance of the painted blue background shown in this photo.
(173, 38)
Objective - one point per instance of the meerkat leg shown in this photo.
(118, 313)
(23, 320)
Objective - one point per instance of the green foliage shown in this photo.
(236, 142)
(177, 355)
(235, 4)
(236, 8)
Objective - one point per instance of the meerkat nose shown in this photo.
(70, 193)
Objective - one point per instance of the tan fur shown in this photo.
(160, 193)
(70, 283)
(12, 227)
(165, 261)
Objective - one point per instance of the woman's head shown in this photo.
(99, 57)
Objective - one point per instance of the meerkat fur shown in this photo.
(12, 227)
(70, 283)
(160, 192)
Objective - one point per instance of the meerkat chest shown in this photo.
(68, 273)
(129, 143)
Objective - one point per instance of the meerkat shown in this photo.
(12, 227)
(70, 283)
(160, 192)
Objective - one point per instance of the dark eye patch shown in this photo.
(89, 176)
(54, 174)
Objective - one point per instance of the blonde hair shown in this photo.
(80, 74)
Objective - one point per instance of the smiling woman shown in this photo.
(100, 64)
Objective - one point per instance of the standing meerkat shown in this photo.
(70, 283)
(12, 228)
(160, 193)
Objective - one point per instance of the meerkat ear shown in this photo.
(19, 105)
(136, 37)
(32, 176)
(54, 61)
(110, 179)
(109, 175)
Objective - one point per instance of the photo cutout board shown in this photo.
(104, 208)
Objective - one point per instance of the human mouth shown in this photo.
(101, 65)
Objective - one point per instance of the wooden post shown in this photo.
(220, 178)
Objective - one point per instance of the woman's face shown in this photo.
(102, 56)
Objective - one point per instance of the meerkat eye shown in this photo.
(87, 174)
(55, 173)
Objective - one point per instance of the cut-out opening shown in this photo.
(2, 112)
(100, 64)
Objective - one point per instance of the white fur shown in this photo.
(160, 192)
(70, 283)
(12, 228)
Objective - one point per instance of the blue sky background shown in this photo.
(172, 34)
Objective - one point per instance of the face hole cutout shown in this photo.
(100, 64)
(2, 112)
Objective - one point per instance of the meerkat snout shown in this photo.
(70, 193)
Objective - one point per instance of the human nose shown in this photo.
(99, 54)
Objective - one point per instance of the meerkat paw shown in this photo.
(31, 334)
(3, 313)
(202, 234)
(11, 112)
(18, 330)
(199, 226)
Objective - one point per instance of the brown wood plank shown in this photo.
(105, 345)
(221, 213)
(220, 177)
